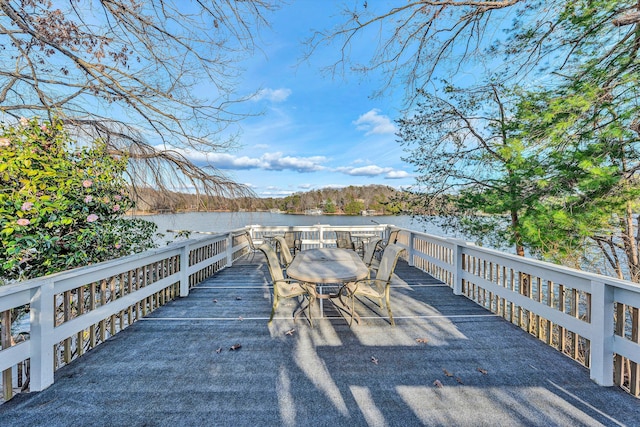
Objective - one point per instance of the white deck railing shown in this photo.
(591, 318)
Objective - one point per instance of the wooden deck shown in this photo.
(447, 362)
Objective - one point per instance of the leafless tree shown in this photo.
(154, 79)
(410, 41)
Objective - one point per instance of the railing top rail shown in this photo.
(471, 248)
(112, 265)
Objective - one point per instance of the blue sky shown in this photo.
(315, 131)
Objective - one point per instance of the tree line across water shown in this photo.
(350, 200)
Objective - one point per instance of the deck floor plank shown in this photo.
(176, 368)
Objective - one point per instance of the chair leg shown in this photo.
(388, 301)
(273, 307)
(311, 300)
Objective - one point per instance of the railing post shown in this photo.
(320, 235)
(410, 249)
(184, 270)
(41, 336)
(229, 249)
(602, 325)
(457, 269)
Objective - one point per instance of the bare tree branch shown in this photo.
(155, 80)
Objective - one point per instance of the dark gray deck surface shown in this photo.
(166, 370)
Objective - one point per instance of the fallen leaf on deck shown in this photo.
(482, 371)
(438, 384)
(459, 380)
(290, 332)
(422, 340)
(241, 318)
(374, 360)
(238, 298)
(447, 373)
(219, 350)
(215, 300)
(235, 347)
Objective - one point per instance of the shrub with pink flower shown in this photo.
(75, 218)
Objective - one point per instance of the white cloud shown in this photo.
(372, 122)
(276, 161)
(305, 186)
(273, 95)
(371, 170)
(229, 161)
(278, 193)
(397, 175)
(268, 161)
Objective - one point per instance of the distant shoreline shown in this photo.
(148, 213)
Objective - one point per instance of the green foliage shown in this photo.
(354, 207)
(329, 207)
(59, 208)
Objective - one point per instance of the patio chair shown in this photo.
(252, 247)
(285, 251)
(376, 288)
(344, 240)
(370, 250)
(286, 288)
(392, 239)
(294, 240)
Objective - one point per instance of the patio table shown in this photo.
(327, 266)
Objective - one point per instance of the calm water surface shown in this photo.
(224, 221)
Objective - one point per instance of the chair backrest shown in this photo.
(285, 252)
(293, 240)
(272, 262)
(393, 236)
(247, 236)
(370, 250)
(343, 240)
(388, 262)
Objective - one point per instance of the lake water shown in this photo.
(224, 221)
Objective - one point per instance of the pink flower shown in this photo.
(116, 208)
(27, 206)
(23, 221)
(88, 199)
(117, 197)
(92, 218)
(5, 142)
(23, 121)
(118, 245)
(87, 183)
(43, 128)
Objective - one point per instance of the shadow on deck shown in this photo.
(447, 362)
